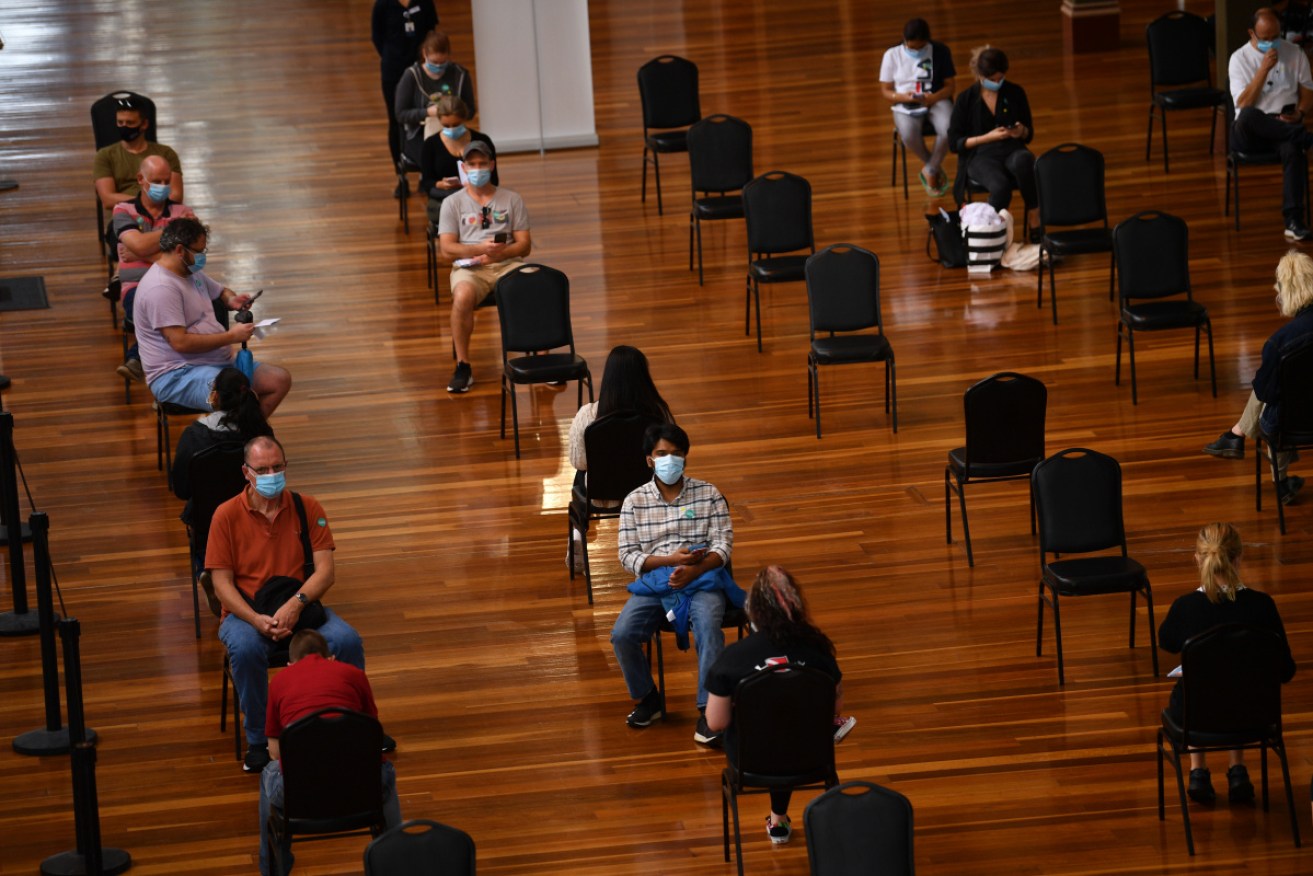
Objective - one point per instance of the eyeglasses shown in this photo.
(268, 469)
(196, 251)
(486, 220)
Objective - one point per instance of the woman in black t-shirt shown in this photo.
(782, 632)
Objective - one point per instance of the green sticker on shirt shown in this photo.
(322, 522)
(688, 514)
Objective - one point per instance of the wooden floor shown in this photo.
(491, 669)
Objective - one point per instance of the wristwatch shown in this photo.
(300, 597)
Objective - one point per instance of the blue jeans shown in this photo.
(248, 655)
(271, 794)
(639, 619)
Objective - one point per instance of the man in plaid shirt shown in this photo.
(675, 535)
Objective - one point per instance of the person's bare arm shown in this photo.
(944, 93)
(108, 193)
(175, 187)
(1248, 97)
(142, 244)
(718, 713)
(225, 588)
(314, 588)
(274, 752)
(183, 341)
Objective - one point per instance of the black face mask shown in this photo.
(128, 133)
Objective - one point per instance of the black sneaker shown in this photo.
(1239, 788)
(647, 710)
(389, 744)
(257, 758)
(1296, 231)
(1227, 446)
(113, 291)
(1288, 489)
(463, 379)
(211, 598)
(705, 735)
(1201, 786)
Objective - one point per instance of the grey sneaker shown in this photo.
(462, 379)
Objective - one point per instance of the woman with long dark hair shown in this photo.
(236, 419)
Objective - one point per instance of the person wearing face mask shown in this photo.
(469, 224)
(397, 29)
(917, 77)
(183, 345)
(440, 166)
(116, 168)
(990, 128)
(1273, 94)
(137, 225)
(426, 82)
(676, 539)
(263, 533)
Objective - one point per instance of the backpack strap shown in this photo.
(309, 568)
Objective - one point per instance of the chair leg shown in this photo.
(902, 151)
(811, 376)
(1148, 137)
(515, 418)
(747, 302)
(891, 394)
(698, 225)
(1057, 638)
(1039, 623)
(642, 198)
(1185, 805)
(502, 434)
(1039, 282)
(1117, 371)
(1130, 347)
(948, 507)
(1212, 130)
(966, 527)
(738, 839)
(1164, 118)
(656, 175)
(690, 239)
(1162, 809)
(1212, 366)
(1280, 749)
(1153, 634)
(725, 792)
(816, 378)
(1053, 291)
(1258, 473)
(756, 298)
(1262, 760)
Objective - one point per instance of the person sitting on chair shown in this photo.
(1220, 599)
(917, 78)
(675, 538)
(313, 680)
(1273, 94)
(183, 345)
(422, 86)
(256, 536)
(440, 162)
(1294, 285)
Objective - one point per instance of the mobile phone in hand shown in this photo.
(502, 237)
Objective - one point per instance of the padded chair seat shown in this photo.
(759, 780)
(1164, 314)
(1190, 98)
(668, 141)
(546, 368)
(1255, 157)
(1289, 439)
(1078, 241)
(1174, 732)
(851, 348)
(173, 410)
(779, 269)
(719, 207)
(1085, 576)
(1019, 468)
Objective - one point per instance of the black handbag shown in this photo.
(274, 593)
(946, 232)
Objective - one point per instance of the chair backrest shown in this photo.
(420, 848)
(1178, 49)
(215, 476)
(1231, 681)
(859, 828)
(783, 726)
(104, 126)
(616, 462)
(720, 154)
(668, 89)
(843, 289)
(1069, 183)
(533, 306)
(1005, 420)
(1078, 501)
(331, 762)
(1153, 256)
(1295, 410)
(777, 207)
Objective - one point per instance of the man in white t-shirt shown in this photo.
(917, 77)
(1273, 94)
(484, 232)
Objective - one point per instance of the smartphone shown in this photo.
(502, 237)
(251, 300)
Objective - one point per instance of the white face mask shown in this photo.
(669, 468)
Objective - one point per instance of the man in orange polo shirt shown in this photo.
(255, 536)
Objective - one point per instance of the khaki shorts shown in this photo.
(484, 277)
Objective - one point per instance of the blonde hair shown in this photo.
(451, 105)
(1294, 282)
(1217, 552)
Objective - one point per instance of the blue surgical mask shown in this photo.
(668, 468)
(478, 176)
(271, 485)
(455, 133)
(435, 70)
(915, 54)
(1266, 46)
(158, 192)
(198, 263)
(991, 85)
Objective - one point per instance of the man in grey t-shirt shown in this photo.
(484, 232)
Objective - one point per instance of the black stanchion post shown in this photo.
(20, 621)
(53, 738)
(89, 859)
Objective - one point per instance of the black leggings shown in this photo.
(1000, 173)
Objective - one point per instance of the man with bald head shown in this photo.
(1273, 93)
(137, 225)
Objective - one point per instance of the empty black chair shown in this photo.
(616, 467)
(720, 165)
(1069, 185)
(1294, 421)
(858, 829)
(1237, 158)
(331, 785)
(213, 477)
(1230, 699)
(668, 89)
(777, 208)
(1152, 250)
(843, 295)
(1178, 56)
(420, 848)
(1005, 441)
(533, 305)
(782, 737)
(1078, 499)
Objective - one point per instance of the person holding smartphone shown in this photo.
(1273, 93)
(917, 78)
(484, 232)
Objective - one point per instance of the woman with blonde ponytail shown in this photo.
(1222, 598)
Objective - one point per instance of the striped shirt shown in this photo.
(133, 216)
(649, 525)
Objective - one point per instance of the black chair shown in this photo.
(533, 306)
(900, 150)
(859, 828)
(783, 737)
(1078, 499)
(1005, 441)
(668, 89)
(163, 442)
(733, 619)
(1230, 699)
(1236, 159)
(1152, 250)
(331, 785)
(105, 132)
(843, 295)
(777, 209)
(720, 163)
(616, 467)
(1069, 185)
(277, 660)
(420, 848)
(1294, 421)
(1178, 56)
(213, 477)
